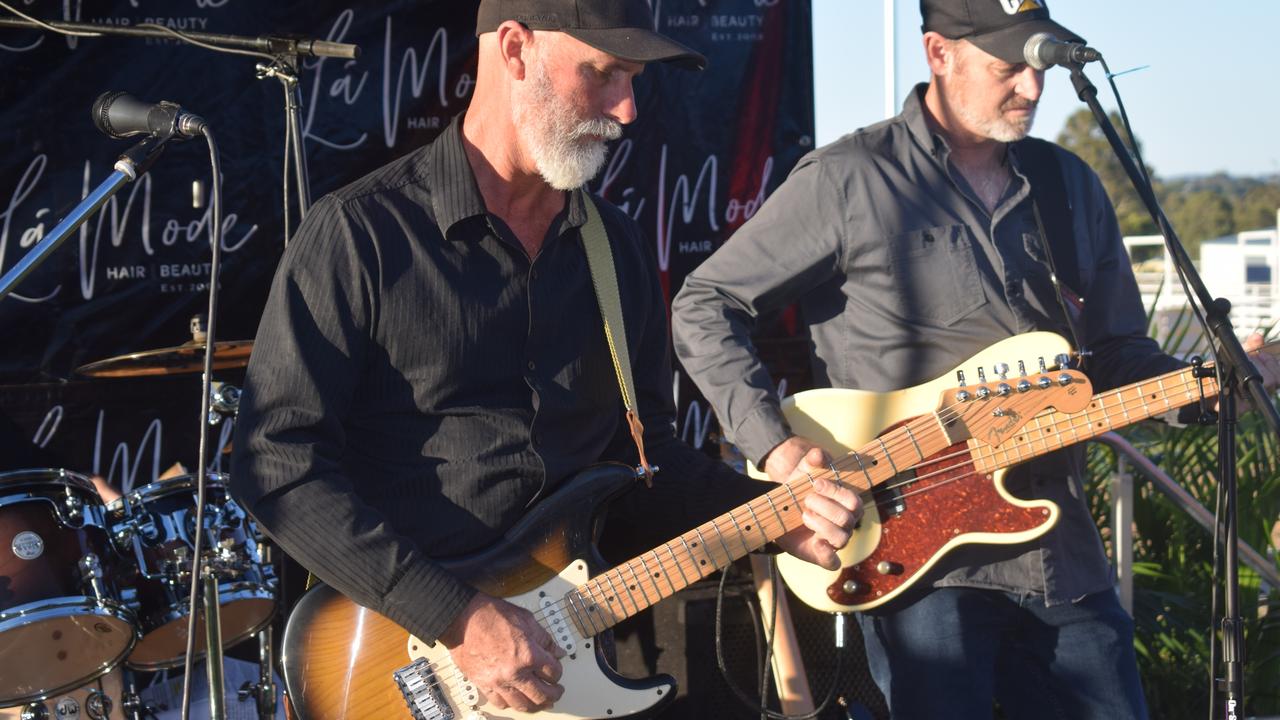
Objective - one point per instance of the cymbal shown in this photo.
(185, 358)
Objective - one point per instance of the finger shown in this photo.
(534, 692)
(816, 457)
(823, 529)
(546, 665)
(819, 552)
(840, 493)
(830, 509)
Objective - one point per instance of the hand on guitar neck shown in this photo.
(506, 653)
(1265, 360)
(830, 513)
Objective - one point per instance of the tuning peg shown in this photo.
(1063, 360)
(1001, 369)
(1024, 385)
(1022, 368)
(960, 377)
(982, 376)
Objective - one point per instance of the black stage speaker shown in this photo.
(677, 637)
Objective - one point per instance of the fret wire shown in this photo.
(706, 549)
(595, 592)
(870, 482)
(640, 585)
(912, 436)
(781, 520)
(720, 538)
(887, 456)
(648, 573)
(679, 565)
(609, 576)
(582, 625)
(741, 533)
(759, 525)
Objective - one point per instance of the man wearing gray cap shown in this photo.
(432, 361)
(912, 245)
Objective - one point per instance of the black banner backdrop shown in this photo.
(706, 151)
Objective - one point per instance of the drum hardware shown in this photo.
(224, 402)
(62, 623)
(155, 532)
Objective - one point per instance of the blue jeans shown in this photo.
(950, 652)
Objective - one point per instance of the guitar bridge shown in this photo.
(422, 692)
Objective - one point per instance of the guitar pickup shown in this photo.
(888, 497)
(422, 692)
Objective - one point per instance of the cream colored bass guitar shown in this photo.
(956, 496)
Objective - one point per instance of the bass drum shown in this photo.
(62, 623)
(155, 528)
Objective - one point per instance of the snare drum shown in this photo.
(155, 531)
(62, 623)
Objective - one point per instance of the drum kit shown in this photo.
(89, 584)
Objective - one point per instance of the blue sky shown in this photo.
(1210, 100)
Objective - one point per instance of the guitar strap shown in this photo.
(1050, 202)
(604, 277)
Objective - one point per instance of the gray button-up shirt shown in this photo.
(901, 275)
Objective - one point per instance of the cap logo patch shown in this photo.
(1013, 7)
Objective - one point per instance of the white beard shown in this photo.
(563, 147)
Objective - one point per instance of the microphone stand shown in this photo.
(285, 54)
(1237, 372)
(133, 163)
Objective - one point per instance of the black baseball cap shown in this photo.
(1000, 27)
(622, 28)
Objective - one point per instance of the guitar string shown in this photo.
(1070, 420)
(447, 673)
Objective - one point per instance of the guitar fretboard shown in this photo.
(617, 594)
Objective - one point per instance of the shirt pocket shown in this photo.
(935, 276)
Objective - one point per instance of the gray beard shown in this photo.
(556, 138)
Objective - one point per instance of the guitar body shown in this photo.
(904, 532)
(342, 660)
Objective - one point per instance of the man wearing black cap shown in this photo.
(910, 246)
(432, 360)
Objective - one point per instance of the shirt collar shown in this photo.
(454, 193)
(455, 196)
(913, 113)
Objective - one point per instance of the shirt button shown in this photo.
(532, 365)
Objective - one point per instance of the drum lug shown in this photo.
(35, 711)
(91, 573)
(74, 513)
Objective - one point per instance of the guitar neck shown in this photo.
(625, 590)
(1106, 411)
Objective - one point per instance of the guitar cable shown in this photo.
(765, 665)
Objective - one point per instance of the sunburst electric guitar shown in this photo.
(957, 496)
(344, 661)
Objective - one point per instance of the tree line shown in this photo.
(1200, 208)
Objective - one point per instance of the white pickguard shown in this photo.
(588, 692)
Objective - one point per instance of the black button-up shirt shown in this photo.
(418, 381)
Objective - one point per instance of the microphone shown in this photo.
(1043, 51)
(121, 115)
